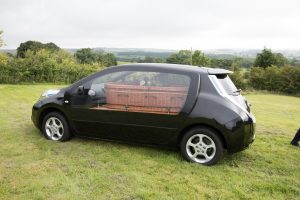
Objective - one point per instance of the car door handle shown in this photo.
(66, 101)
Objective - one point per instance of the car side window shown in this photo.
(140, 91)
(97, 84)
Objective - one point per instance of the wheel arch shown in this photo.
(191, 126)
(48, 110)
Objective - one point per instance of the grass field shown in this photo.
(123, 62)
(32, 167)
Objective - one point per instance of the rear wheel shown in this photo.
(201, 145)
(55, 127)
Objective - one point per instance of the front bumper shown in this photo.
(34, 116)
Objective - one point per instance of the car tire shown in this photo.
(201, 145)
(55, 127)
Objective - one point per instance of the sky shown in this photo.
(162, 24)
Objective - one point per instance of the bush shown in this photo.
(285, 79)
(3, 59)
(238, 79)
(44, 66)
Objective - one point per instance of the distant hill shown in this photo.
(250, 53)
(12, 51)
(129, 54)
(126, 54)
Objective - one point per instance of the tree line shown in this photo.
(268, 71)
(39, 62)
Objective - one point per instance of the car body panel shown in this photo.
(204, 106)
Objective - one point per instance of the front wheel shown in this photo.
(201, 145)
(55, 127)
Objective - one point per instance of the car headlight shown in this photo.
(49, 93)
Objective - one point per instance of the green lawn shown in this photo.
(32, 167)
(123, 62)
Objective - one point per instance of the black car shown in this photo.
(197, 109)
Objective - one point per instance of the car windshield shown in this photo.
(226, 84)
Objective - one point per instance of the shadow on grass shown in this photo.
(143, 150)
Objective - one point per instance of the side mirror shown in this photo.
(67, 95)
(80, 90)
(92, 93)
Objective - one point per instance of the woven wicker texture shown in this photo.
(148, 99)
(145, 96)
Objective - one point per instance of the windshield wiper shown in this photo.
(237, 92)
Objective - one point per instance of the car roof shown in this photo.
(178, 67)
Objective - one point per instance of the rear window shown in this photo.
(224, 84)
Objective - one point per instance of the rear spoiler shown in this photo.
(218, 71)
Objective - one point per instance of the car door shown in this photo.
(144, 105)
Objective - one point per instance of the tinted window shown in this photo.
(226, 83)
(139, 91)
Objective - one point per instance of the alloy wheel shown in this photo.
(201, 148)
(54, 128)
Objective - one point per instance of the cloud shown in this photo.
(152, 23)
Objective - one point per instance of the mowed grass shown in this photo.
(32, 167)
(123, 62)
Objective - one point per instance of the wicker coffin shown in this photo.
(145, 96)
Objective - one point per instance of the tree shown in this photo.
(221, 63)
(3, 56)
(3, 59)
(280, 60)
(236, 65)
(182, 57)
(199, 59)
(267, 59)
(88, 56)
(264, 59)
(159, 60)
(35, 46)
(109, 59)
(85, 56)
(295, 62)
(185, 57)
(1, 41)
(150, 59)
(51, 47)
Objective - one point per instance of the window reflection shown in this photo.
(146, 92)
